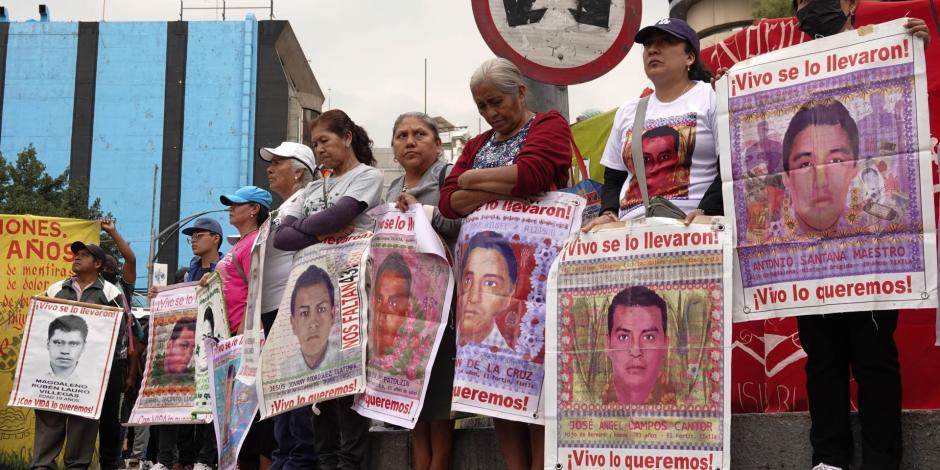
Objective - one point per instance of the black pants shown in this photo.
(186, 444)
(864, 343)
(295, 440)
(109, 428)
(341, 436)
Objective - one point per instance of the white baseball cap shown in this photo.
(299, 152)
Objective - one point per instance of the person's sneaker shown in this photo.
(201, 466)
(159, 466)
(132, 464)
(823, 466)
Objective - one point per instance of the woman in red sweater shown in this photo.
(522, 156)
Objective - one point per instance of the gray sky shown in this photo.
(371, 52)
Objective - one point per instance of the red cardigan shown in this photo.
(543, 163)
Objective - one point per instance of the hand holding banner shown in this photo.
(639, 375)
(826, 162)
(316, 351)
(410, 294)
(504, 252)
(169, 383)
(65, 357)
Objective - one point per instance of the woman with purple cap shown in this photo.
(248, 209)
(677, 127)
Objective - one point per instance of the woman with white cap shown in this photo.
(291, 167)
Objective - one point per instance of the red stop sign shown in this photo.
(563, 42)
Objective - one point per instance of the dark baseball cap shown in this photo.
(671, 26)
(110, 264)
(204, 224)
(95, 250)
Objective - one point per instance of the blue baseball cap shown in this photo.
(672, 26)
(203, 224)
(247, 194)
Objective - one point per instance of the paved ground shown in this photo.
(758, 442)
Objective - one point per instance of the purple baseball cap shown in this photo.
(672, 26)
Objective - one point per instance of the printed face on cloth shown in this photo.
(179, 349)
(65, 348)
(311, 321)
(486, 289)
(636, 346)
(821, 166)
(667, 170)
(391, 304)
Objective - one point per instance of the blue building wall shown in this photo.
(127, 134)
(40, 115)
(215, 129)
(132, 108)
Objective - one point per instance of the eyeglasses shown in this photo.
(196, 236)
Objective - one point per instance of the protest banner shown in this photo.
(65, 357)
(315, 351)
(212, 321)
(234, 403)
(504, 252)
(638, 371)
(168, 392)
(36, 253)
(253, 332)
(410, 296)
(826, 167)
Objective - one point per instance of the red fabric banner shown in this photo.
(768, 373)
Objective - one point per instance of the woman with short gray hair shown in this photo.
(523, 155)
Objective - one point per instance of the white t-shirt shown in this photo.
(362, 183)
(672, 131)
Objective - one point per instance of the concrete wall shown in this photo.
(758, 442)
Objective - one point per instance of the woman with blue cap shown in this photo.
(248, 209)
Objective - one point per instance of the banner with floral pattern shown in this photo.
(411, 285)
(504, 252)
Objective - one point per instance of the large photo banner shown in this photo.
(410, 298)
(212, 322)
(827, 169)
(316, 350)
(234, 402)
(638, 369)
(168, 392)
(65, 357)
(36, 253)
(504, 253)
